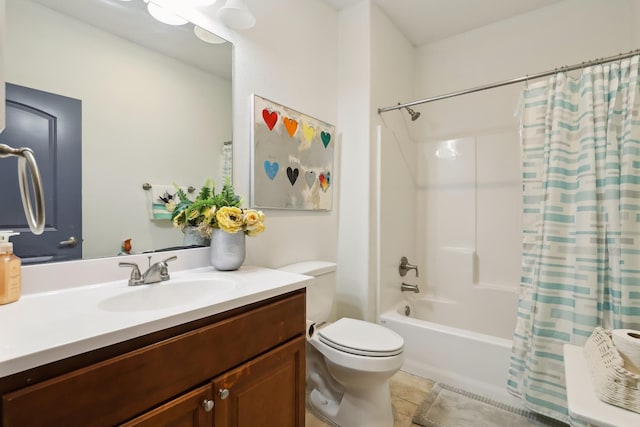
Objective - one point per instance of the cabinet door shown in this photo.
(192, 409)
(267, 391)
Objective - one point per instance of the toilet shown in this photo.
(349, 361)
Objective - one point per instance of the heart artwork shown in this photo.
(291, 125)
(270, 118)
(308, 132)
(271, 169)
(325, 180)
(310, 178)
(293, 175)
(326, 138)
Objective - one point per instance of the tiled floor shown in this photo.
(407, 392)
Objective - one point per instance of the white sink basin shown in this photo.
(174, 292)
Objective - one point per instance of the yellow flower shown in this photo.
(209, 214)
(252, 217)
(230, 219)
(193, 214)
(255, 229)
(179, 219)
(254, 222)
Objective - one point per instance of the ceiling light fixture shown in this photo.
(164, 15)
(207, 36)
(236, 15)
(200, 3)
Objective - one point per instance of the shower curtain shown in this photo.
(581, 223)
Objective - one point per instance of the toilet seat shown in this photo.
(361, 338)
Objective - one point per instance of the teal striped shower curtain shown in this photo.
(581, 222)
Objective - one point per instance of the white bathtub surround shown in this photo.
(469, 312)
(447, 218)
(458, 357)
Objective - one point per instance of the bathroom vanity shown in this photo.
(235, 358)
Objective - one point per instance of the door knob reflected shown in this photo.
(71, 242)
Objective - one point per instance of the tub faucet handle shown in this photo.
(405, 267)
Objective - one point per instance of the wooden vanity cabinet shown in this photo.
(264, 391)
(241, 368)
(193, 409)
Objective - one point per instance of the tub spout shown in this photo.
(407, 287)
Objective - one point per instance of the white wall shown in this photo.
(354, 245)
(471, 211)
(394, 165)
(376, 68)
(636, 24)
(290, 57)
(134, 123)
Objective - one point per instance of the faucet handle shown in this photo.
(164, 270)
(404, 267)
(136, 277)
(172, 258)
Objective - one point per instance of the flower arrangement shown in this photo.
(210, 210)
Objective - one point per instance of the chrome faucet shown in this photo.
(157, 272)
(405, 267)
(411, 288)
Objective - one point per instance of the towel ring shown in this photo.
(26, 159)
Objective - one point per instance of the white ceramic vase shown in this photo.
(227, 250)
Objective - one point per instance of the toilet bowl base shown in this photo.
(327, 407)
(370, 407)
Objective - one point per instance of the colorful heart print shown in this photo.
(325, 180)
(308, 132)
(326, 138)
(271, 169)
(293, 174)
(270, 118)
(291, 125)
(310, 178)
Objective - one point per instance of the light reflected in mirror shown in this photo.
(155, 108)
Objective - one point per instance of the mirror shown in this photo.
(155, 108)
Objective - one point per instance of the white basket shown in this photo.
(612, 382)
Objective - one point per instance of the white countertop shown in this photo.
(582, 401)
(43, 327)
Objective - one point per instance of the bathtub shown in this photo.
(461, 358)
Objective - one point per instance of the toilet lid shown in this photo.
(361, 338)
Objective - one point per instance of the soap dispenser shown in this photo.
(10, 280)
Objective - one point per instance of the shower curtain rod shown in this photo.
(512, 81)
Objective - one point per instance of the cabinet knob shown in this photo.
(223, 393)
(207, 405)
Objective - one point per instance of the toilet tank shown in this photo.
(321, 290)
